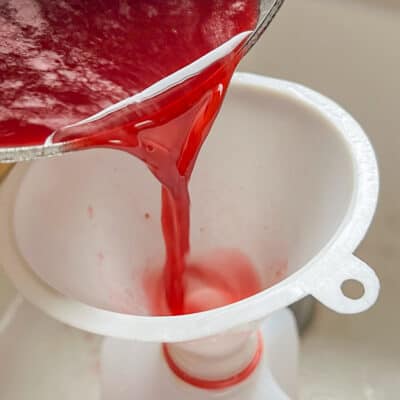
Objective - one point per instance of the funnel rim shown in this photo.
(192, 326)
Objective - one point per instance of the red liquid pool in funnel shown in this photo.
(213, 280)
(62, 62)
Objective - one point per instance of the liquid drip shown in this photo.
(146, 77)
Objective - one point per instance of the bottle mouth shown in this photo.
(217, 384)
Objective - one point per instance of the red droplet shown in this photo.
(90, 212)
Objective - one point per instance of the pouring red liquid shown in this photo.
(146, 77)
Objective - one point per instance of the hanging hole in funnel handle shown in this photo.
(334, 293)
(353, 289)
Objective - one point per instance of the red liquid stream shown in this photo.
(61, 62)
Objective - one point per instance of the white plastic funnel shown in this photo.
(286, 176)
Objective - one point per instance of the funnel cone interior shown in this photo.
(274, 180)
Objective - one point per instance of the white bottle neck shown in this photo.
(216, 358)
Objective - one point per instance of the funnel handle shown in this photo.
(329, 292)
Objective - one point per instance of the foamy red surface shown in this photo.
(62, 61)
